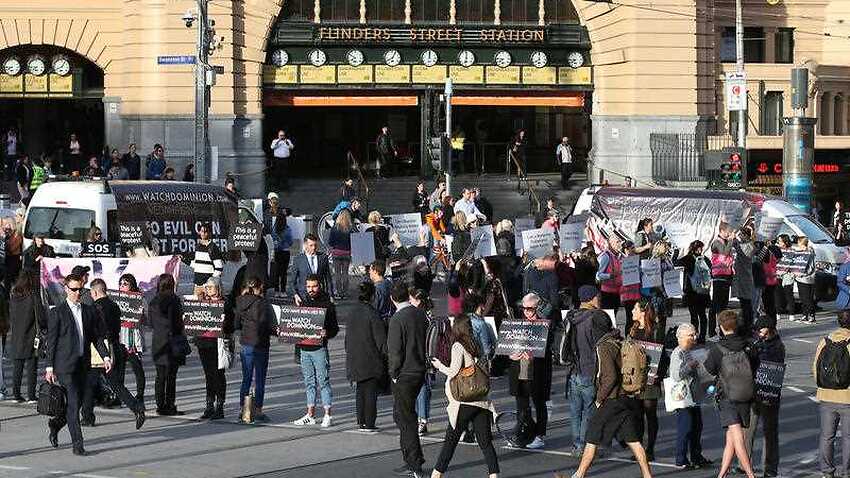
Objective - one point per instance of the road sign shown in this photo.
(175, 60)
(736, 91)
(219, 69)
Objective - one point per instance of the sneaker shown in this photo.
(792, 318)
(261, 417)
(327, 421)
(305, 420)
(32, 401)
(423, 429)
(537, 444)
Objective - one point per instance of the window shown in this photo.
(429, 10)
(474, 11)
(340, 10)
(56, 223)
(519, 11)
(814, 231)
(784, 45)
(297, 10)
(727, 45)
(771, 113)
(383, 10)
(754, 45)
(559, 11)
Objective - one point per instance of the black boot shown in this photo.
(218, 414)
(210, 410)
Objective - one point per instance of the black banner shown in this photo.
(99, 249)
(295, 323)
(245, 237)
(768, 382)
(517, 336)
(174, 212)
(131, 305)
(203, 318)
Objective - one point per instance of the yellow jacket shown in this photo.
(825, 394)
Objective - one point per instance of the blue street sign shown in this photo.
(175, 60)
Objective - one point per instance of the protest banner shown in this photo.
(362, 248)
(99, 249)
(407, 227)
(653, 352)
(516, 336)
(768, 382)
(673, 283)
(570, 236)
(246, 236)
(203, 318)
(651, 273)
(133, 234)
(295, 323)
(630, 268)
(538, 242)
(768, 227)
(521, 224)
(483, 241)
(132, 307)
(680, 235)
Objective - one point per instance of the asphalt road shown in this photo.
(187, 447)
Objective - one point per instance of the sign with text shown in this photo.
(736, 91)
(295, 323)
(521, 224)
(483, 241)
(630, 267)
(133, 234)
(570, 236)
(673, 283)
(651, 269)
(245, 237)
(538, 242)
(516, 336)
(362, 248)
(768, 382)
(99, 249)
(768, 228)
(407, 227)
(203, 318)
(653, 358)
(175, 60)
(132, 307)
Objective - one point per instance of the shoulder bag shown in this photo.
(471, 384)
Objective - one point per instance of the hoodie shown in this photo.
(734, 343)
(588, 324)
(825, 394)
(254, 318)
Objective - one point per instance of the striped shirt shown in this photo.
(208, 262)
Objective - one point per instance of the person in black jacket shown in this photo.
(697, 286)
(165, 315)
(365, 353)
(28, 321)
(132, 162)
(37, 250)
(216, 383)
(420, 200)
(768, 347)
(254, 317)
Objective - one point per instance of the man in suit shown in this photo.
(72, 329)
(309, 262)
(407, 364)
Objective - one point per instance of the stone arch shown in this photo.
(81, 36)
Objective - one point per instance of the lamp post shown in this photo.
(204, 79)
(739, 51)
(448, 93)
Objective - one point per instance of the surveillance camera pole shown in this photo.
(202, 92)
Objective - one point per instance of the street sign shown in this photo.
(219, 69)
(736, 91)
(175, 60)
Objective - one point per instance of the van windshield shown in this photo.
(811, 229)
(59, 223)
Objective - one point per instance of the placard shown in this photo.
(768, 228)
(653, 352)
(354, 74)
(521, 224)
(570, 236)
(133, 234)
(99, 249)
(768, 382)
(131, 305)
(318, 74)
(574, 76)
(362, 248)
(503, 76)
(538, 242)
(630, 268)
(680, 235)
(246, 236)
(203, 318)
(673, 283)
(469, 75)
(516, 336)
(295, 323)
(392, 74)
(612, 314)
(531, 75)
(651, 273)
(11, 84)
(426, 74)
(35, 84)
(484, 241)
(407, 227)
(281, 75)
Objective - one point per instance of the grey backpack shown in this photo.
(736, 376)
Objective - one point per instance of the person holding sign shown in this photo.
(255, 318)
(36, 251)
(132, 345)
(646, 329)
(684, 371)
(207, 260)
(165, 315)
(629, 293)
(697, 287)
(769, 352)
(610, 275)
(215, 381)
(804, 274)
(645, 238)
(785, 300)
(721, 274)
(274, 221)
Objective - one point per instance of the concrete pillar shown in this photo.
(825, 113)
(113, 124)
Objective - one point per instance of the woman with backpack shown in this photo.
(644, 328)
(721, 274)
(465, 353)
(697, 285)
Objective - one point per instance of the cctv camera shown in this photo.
(189, 18)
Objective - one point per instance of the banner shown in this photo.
(134, 234)
(538, 242)
(362, 248)
(99, 249)
(630, 268)
(653, 358)
(570, 236)
(174, 211)
(651, 272)
(295, 323)
(517, 336)
(203, 318)
(407, 227)
(521, 224)
(673, 283)
(794, 262)
(484, 242)
(146, 270)
(768, 382)
(246, 236)
(132, 305)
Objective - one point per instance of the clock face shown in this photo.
(355, 57)
(575, 59)
(392, 57)
(429, 58)
(466, 58)
(317, 57)
(280, 58)
(35, 65)
(539, 59)
(503, 59)
(61, 65)
(12, 66)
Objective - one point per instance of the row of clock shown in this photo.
(465, 58)
(36, 65)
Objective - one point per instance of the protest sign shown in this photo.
(679, 234)
(298, 226)
(99, 249)
(246, 236)
(768, 382)
(516, 336)
(630, 267)
(521, 224)
(768, 228)
(483, 241)
(570, 236)
(538, 242)
(362, 248)
(131, 305)
(407, 227)
(295, 323)
(203, 318)
(673, 283)
(133, 234)
(651, 272)
(653, 358)
(613, 315)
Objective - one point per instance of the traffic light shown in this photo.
(726, 169)
(439, 150)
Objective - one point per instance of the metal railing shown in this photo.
(522, 180)
(677, 157)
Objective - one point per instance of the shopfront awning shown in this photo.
(324, 101)
(568, 101)
(318, 99)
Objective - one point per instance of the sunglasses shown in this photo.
(529, 308)
(74, 289)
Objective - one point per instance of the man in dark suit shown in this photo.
(407, 364)
(311, 261)
(72, 329)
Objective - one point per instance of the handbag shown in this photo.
(677, 394)
(226, 355)
(180, 347)
(51, 400)
(471, 384)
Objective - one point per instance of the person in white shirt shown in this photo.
(564, 158)
(282, 148)
(466, 204)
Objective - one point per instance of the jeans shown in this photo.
(423, 400)
(340, 276)
(18, 373)
(367, 402)
(315, 366)
(255, 365)
(581, 393)
(830, 416)
(719, 303)
(480, 420)
(756, 301)
(768, 415)
(688, 435)
(405, 389)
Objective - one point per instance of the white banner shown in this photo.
(362, 248)
(630, 267)
(673, 283)
(538, 242)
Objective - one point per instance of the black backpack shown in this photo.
(736, 375)
(833, 367)
(564, 343)
(51, 400)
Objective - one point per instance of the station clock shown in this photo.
(503, 59)
(60, 64)
(354, 57)
(429, 58)
(392, 57)
(539, 59)
(12, 66)
(317, 57)
(466, 58)
(280, 58)
(36, 65)
(575, 59)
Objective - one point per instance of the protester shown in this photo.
(366, 357)
(208, 350)
(768, 347)
(784, 294)
(132, 345)
(207, 260)
(742, 281)
(464, 352)
(684, 369)
(254, 317)
(309, 262)
(461, 239)
(420, 199)
(804, 276)
(466, 205)
(645, 238)
(380, 235)
(833, 396)
(541, 279)
(28, 321)
(721, 274)
(435, 199)
(381, 301)
(339, 242)
(610, 274)
(35, 252)
(276, 224)
(629, 294)
(646, 329)
(165, 315)
(697, 287)
(132, 161)
(662, 304)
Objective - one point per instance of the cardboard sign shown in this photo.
(407, 227)
(630, 268)
(768, 382)
(613, 315)
(516, 336)
(203, 318)
(131, 305)
(298, 226)
(521, 224)
(651, 269)
(295, 323)
(133, 234)
(653, 358)
(99, 249)
(673, 283)
(483, 241)
(768, 228)
(570, 236)
(680, 235)
(246, 236)
(362, 248)
(537, 242)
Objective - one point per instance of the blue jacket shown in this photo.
(156, 167)
(843, 300)
(483, 335)
(282, 241)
